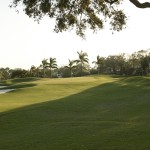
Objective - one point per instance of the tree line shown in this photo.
(138, 63)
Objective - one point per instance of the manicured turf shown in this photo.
(88, 113)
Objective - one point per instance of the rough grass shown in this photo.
(89, 113)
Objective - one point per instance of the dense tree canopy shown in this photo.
(79, 14)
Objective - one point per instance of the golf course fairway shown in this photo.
(83, 113)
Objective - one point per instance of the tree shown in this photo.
(1, 75)
(33, 71)
(82, 60)
(19, 73)
(52, 64)
(144, 60)
(71, 66)
(78, 14)
(121, 63)
(5, 73)
(99, 63)
(134, 63)
(63, 72)
(116, 63)
(111, 63)
(38, 71)
(44, 66)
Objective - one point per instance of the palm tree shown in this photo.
(99, 62)
(82, 59)
(44, 66)
(52, 64)
(71, 66)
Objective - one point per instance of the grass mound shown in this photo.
(87, 113)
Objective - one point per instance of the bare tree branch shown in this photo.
(134, 2)
(140, 5)
(111, 1)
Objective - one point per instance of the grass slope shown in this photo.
(89, 113)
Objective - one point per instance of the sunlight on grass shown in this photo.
(30, 91)
(87, 113)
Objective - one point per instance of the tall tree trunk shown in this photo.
(44, 72)
(51, 72)
(98, 69)
(70, 72)
(81, 69)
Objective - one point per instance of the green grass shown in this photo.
(88, 113)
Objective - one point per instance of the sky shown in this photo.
(24, 43)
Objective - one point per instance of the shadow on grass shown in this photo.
(106, 117)
(18, 83)
(19, 86)
(18, 80)
(141, 82)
